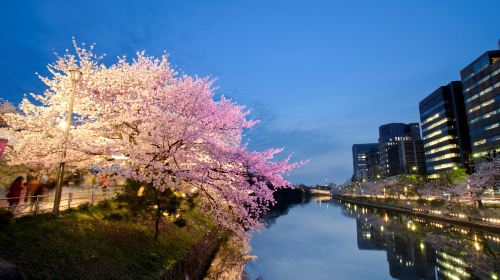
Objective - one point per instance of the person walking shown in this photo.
(104, 184)
(14, 194)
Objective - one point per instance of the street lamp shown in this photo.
(75, 75)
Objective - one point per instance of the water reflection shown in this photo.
(421, 249)
(414, 248)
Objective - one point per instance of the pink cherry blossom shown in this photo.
(168, 129)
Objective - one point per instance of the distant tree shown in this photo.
(486, 178)
(490, 155)
(5, 108)
(448, 185)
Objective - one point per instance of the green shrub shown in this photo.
(84, 207)
(5, 217)
(421, 201)
(437, 203)
(104, 204)
(114, 216)
(390, 200)
(180, 222)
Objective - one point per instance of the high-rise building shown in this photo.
(401, 149)
(481, 88)
(365, 160)
(373, 164)
(444, 129)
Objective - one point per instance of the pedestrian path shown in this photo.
(71, 197)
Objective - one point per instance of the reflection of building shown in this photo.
(368, 237)
(407, 257)
(401, 149)
(481, 87)
(415, 250)
(451, 267)
(444, 129)
(365, 161)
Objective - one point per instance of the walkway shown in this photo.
(71, 197)
(472, 222)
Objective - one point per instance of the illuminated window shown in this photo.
(439, 140)
(488, 127)
(437, 132)
(433, 117)
(446, 156)
(482, 105)
(487, 77)
(480, 142)
(485, 116)
(443, 166)
(435, 124)
(440, 104)
(440, 149)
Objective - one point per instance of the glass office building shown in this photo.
(365, 161)
(481, 89)
(401, 149)
(444, 129)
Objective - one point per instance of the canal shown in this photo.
(332, 240)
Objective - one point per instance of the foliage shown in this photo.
(159, 204)
(143, 121)
(437, 203)
(486, 178)
(455, 176)
(6, 108)
(6, 217)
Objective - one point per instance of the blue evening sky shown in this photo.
(321, 75)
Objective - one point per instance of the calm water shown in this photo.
(330, 240)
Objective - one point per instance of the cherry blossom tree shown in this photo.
(143, 121)
(6, 107)
(374, 188)
(486, 178)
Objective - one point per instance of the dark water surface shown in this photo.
(332, 240)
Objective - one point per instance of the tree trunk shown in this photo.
(158, 217)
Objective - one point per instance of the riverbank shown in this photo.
(437, 215)
(106, 242)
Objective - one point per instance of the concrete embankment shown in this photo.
(451, 220)
(230, 260)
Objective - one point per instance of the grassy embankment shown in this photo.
(106, 241)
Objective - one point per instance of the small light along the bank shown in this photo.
(119, 157)
(62, 125)
(477, 246)
(493, 238)
(491, 220)
(462, 216)
(422, 246)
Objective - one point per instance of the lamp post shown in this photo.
(75, 75)
(414, 169)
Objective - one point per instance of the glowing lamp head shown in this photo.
(75, 74)
(63, 124)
